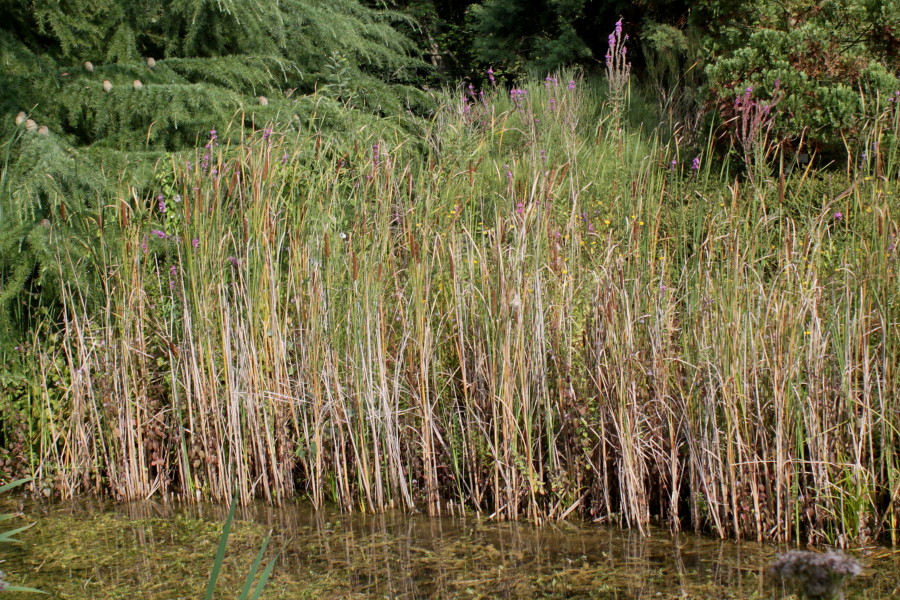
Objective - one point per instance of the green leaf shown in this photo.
(253, 568)
(7, 536)
(14, 484)
(220, 553)
(20, 588)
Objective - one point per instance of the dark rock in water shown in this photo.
(814, 575)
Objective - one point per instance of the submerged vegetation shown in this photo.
(154, 550)
(533, 303)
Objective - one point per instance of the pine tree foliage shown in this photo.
(106, 87)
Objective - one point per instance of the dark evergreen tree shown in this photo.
(92, 92)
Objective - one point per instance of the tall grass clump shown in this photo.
(519, 311)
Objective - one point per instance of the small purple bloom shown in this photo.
(195, 242)
(838, 216)
(234, 261)
(571, 84)
(695, 164)
(160, 234)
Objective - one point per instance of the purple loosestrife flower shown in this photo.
(571, 84)
(195, 242)
(234, 261)
(266, 133)
(490, 73)
(695, 164)
(161, 204)
(673, 164)
(838, 216)
(160, 234)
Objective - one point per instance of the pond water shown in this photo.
(94, 549)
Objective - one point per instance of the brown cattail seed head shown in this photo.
(30, 125)
(151, 62)
(21, 118)
(137, 84)
(88, 66)
(263, 101)
(43, 130)
(107, 86)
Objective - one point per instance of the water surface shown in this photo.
(154, 550)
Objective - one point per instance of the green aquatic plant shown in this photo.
(9, 536)
(251, 576)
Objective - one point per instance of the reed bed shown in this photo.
(533, 309)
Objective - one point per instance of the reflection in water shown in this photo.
(156, 550)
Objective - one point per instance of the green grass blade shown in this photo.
(220, 553)
(7, 536)
(14, 484)
(20, 588)
(264, 578)
(253, 568)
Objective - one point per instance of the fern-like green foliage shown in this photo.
(93, 92)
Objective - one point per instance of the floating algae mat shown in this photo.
(152, 550)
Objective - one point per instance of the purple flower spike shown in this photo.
(838, 216)
(195, 242)
(571, 84)
(695, 164)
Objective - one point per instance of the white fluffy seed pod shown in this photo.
(263, 101)
(107, 86)
(43, 130)
(30, 125)
(137, 84)
(21, 118)
(88, 66)
(151, 62)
